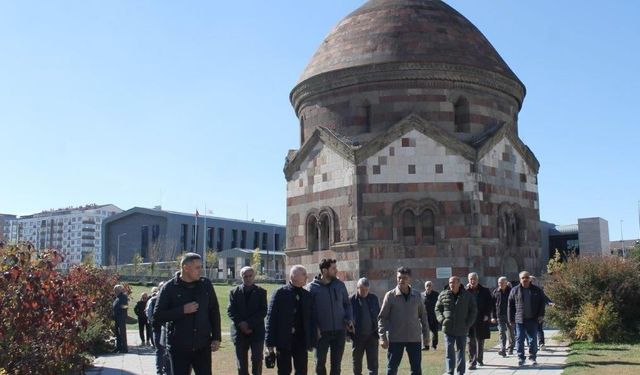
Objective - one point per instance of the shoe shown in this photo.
(521, 362)
(472, 367)
(502, 353)
(425, 348)
(542, 347)
(480, 363)
(533, 362)
(434, 347)
(510, 352)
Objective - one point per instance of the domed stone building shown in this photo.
(409, 151)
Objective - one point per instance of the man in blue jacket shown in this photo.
(290, 331)
(365, 337)
(188, 304)
(332, 309)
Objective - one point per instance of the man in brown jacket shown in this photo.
(402, 318)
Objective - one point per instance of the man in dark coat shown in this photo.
(119, 312)
(188, 304)
(429, 298)
(500, 296)
(365, 336)
(247, 310)
(480, 330)
(526, 310)
(289, 331)
(143, 321)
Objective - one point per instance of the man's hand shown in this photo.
(350, 327)
(493, 321)
(384, 344)
(190, 307)
(485, 318)
(215, 345)
(244, 328)
(540, 319)
(319, 334)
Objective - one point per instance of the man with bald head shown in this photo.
(456, 312)
(500, 296)
(289, 331)
(526, 311)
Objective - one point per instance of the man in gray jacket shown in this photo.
(402, 318)
(332, 310)
(456, 311)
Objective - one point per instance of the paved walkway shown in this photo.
(141, 360)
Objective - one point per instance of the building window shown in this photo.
(220, 243)
(256, 239)
(210, 234)
(155, 233)
(324, 228)
(427, 223)
(265, 240)
(439, 168)
(367, 118)
(234, 238)
(183, 237)
(408, 227)
(462, 117)
(312, 233)
(144, 241)
(243, 239)
(276, 242)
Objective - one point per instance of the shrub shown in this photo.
(584, 286)
(598, 323)
(46, 316)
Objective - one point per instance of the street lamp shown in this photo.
(118, 250)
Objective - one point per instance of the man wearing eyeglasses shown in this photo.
(526, 311)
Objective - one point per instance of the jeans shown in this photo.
(476, 347)
(333, 340)
(120, 331)
(299, 356)
(368, 344)
(454, 353)
(394, 356)
(506, 331)
(243, 344)
(540, 333)
(198, 360)
(529, 327)
(163, 362)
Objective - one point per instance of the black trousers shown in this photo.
(142, 326)
(299, 356)
(362, 345)
(198, 360)
(334, 341)
(120, 331)
(243, 344)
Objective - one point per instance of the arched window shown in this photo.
(367, 117)
(312, 233)
(462, 116)
(427, 224)
(324, 228)
(408, 227)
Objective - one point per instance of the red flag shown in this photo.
(197, 213)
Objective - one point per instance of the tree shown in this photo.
(635, 252)
(137, 259)
(256, 258)
(212, 262)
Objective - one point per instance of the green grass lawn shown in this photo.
(224, 360)
(601, 359)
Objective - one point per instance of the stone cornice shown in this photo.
(325, 136)
(407, 124)
(508, 131)
(459, 74)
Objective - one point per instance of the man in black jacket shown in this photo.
(480, 330)
(247, 309)
(289, 324)
(429, 298)
(120, 306)
(366, 308)
(188, 304)
(526, 311)
(500, 296)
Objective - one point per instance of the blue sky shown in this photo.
(140, 103)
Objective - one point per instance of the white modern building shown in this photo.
(76, 231)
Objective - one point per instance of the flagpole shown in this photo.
(204, 242)
(195, 233)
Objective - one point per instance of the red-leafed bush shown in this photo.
(45, 316)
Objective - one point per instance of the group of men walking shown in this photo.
(320, 315)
